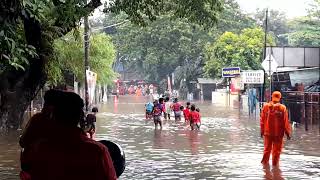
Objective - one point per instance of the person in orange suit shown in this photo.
(274, 123)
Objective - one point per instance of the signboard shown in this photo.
(230, 71)
(269, 66)
(252, 77)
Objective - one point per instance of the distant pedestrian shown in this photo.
(188, 105)
(157, 112)
(274, 123)
(176, 109)
(194, 117)
(91, 120)
(149, 108)
(167, 108)
(186, 112)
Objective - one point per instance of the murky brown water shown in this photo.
(227, 147)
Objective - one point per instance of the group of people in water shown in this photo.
(54, 147)
(163, 107)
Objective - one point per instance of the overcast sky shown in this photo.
(292, 8)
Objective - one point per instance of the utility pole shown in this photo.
(86, 60)
(265, 53)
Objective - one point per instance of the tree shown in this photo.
(29, 28)
(305, 31)
(233, 19)
(277, 24)
(233, 50)
(69, 56)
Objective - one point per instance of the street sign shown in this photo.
(230, 71)
(252, 77)
(267, 65)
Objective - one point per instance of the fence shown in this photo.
(303, 107)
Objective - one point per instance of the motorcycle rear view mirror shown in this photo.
(117, 155)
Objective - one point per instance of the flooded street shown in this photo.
(228, 146)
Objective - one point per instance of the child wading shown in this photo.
(157, 111)
(186, 112)
(91, 122)
(194, 117)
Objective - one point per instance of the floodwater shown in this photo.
(228, 146)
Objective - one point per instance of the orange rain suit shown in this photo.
(274, 124)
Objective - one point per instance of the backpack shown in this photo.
(157, 110)
(149, 106)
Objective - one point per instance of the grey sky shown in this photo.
(292, 8)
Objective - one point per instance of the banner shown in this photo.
(91, 80)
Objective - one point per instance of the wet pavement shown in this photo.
(228, 146)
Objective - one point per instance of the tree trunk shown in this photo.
(12, 110)
(17, 91)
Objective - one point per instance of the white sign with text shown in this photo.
(252, 77)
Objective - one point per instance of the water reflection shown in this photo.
(228, 146)
(272, 174)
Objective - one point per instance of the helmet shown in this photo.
(117, 155)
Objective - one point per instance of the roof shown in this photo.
(207, 81)
(292, 69)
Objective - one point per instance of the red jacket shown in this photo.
(194, 117)
(67, 155)
(274, 120)
(176, 106)
(186, 113)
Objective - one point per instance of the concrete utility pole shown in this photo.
(86, 60)
(265, 53)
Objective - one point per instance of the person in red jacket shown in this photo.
(186, 112)
(176, 109)
(67, 153)
(194, 117)
(274, 123)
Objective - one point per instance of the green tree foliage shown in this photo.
(242, 50)
(202, 12)
(69, 55)
(305, 31)
(233, 19)
(156, 50)
(277, 24)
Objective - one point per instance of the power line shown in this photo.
(112, 25)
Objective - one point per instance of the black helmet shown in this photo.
(117, 155)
